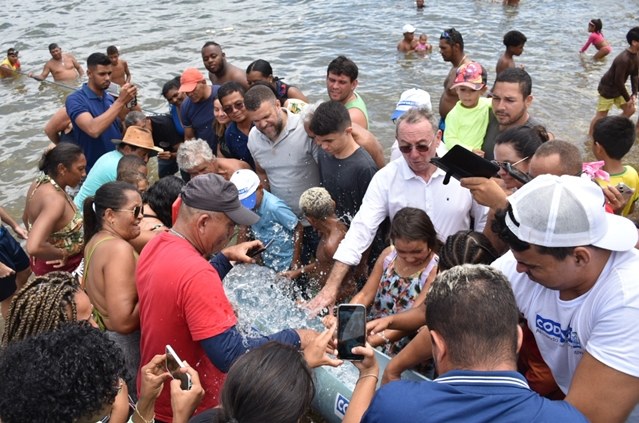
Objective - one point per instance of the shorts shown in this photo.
(605, 104)
(12, 255)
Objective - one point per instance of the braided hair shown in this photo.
(41, 306)
(466, 247)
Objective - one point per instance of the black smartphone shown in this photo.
(258, 250)
(351, 330)
(173, 365)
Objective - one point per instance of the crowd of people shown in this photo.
(515, 292)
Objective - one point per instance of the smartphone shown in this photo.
(624, 190)
(131, 104)
(351, 330)
(173, 365)
(258, 250)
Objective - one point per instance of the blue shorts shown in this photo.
(12, 255)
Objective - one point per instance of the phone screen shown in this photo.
(351, 330)
(173, 365)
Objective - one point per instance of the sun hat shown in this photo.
(567, 211)
(247, 183)
(410, 99)
(138, 137)
(189, 79)
(408, 28)
(211, 192)
(471, 75)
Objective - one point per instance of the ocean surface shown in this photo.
(159, 39)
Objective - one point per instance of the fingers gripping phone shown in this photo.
(351, 330)
(173, 365)
(255, 251)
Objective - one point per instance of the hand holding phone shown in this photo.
(624, 190)
(173, 366)
(258, 250)
(351, 330)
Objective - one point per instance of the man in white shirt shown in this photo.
(573, 269)
(410, 181)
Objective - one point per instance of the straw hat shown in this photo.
(138, 137)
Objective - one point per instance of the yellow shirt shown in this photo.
(629, 177)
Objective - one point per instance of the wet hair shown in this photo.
(416, 115)
(633, 35)
(42, 305)
(517, 76)
(265, 84)
(524, 140)
(191, 153)
(68, 375)
(64, 154)
(466, 247)
(514, 39)
(229, 88)
(112, 50)
(53, 46)
(133, 118)
(130, 163)
(271, 383)
(330, 117)
(211, 43)
(570, 160)
(261, 66)
(98, 59)
(161, 195)
(169, 85)
(452, 37)
(342, 65)
(615, 134)
(473, 308)
(256, 95)
(412, 224)
(505, 234)
(317, 203)
(111, 195)
(597, 24)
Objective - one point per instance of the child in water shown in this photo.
(597, 39)
(422, 44)
(401, 276)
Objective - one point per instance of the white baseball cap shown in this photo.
(408, 28)
(247, 183)
(410, 99)
(567, 211)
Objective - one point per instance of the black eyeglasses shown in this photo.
(136, 210)
(238, 105)
(513, 171)
(422, 148)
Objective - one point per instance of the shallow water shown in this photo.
(299, 38)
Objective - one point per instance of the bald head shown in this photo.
(556, 158)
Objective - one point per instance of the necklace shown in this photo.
(176, 233)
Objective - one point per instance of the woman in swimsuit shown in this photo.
(597, 39)
(55, 225)
(112, 218)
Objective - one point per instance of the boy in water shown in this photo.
(466, 123)
(514, 42)
(120, 68)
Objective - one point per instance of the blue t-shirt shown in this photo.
(463, 396)
(176, 119)
(85, 100)
(199, 116)
(236, 143)
(105, 170)
(277, 222)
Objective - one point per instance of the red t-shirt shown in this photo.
(181, 302)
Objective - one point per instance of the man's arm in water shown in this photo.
(328, 294)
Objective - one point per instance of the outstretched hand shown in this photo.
(316, 353)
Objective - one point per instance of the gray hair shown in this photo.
(192, 153)
(317, 203)
(306, 115)
(416, 115)
(134, 117)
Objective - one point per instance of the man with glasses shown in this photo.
(197, 107)
(451, 47)
(412, 181)
(231, 96)
(10, 65)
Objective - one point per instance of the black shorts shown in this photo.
(12, 255)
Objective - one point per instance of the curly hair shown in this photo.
(65, 376)
(41, 306)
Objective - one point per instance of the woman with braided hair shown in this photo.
(45, 303)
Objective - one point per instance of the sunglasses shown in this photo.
(513, 171)
(422, 148)
(136, 210)
(238, 105)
